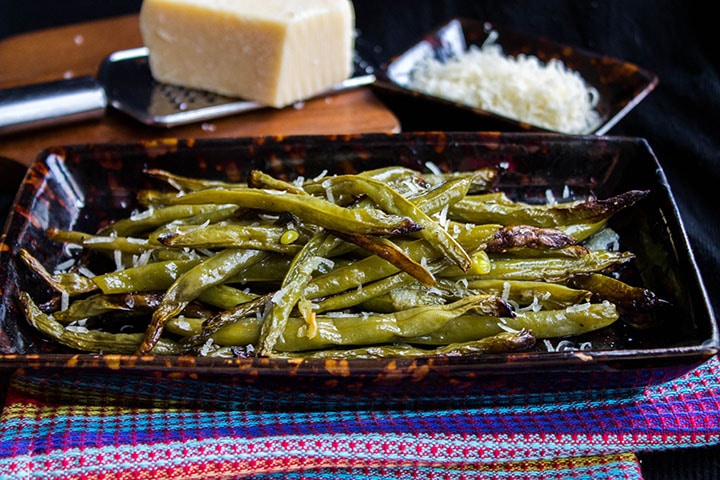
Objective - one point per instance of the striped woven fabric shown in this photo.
(578, 435)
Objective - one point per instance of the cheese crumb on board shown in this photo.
(275, 52)
(522, 88)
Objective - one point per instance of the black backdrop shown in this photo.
(673, 38)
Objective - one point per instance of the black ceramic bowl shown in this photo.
(83, 186)
(621, 85)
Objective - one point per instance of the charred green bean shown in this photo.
(387, 262)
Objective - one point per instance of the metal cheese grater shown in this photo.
(124, 82)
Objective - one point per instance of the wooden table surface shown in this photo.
(78, 50)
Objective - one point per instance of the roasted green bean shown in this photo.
(387, 262)
(503, 342)
(310, 209)
(391, 201)
(574, 320)
(357, 329)
(291, 291)
(270, 238)
(90, 340)
(190, 284)
(498, 208)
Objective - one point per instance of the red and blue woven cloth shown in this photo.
(574, 435)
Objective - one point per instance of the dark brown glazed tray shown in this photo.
(83, 186)
(621, 85)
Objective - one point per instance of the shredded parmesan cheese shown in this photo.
(566, 192)
(206, 348)
(64, 300)
(76, 329)
(566, 346)
(507, 327)
(99, 239)
(328, 191)
(605, 239)
(442, 217)
(433, 168)
(65, 266)
(306, 310)
(550, 197)
(321, 175)
(549, 96)
(117, 256)
(506, 291)
(136, 217)
(578, 307)
(532, 307)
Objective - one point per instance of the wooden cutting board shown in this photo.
(78, 50)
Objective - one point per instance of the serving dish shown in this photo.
(82, 186)
(621, 85)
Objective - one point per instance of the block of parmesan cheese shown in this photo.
(276, 52)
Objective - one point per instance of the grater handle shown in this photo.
(53, 103)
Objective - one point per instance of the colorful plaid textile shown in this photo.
(578, 435)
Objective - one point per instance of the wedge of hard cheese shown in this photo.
(276, 52)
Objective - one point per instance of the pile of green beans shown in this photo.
(385, 263)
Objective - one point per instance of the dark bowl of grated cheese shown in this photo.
(487, 77)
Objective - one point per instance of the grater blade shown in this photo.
(131, 89)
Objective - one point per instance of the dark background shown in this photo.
(673, 38)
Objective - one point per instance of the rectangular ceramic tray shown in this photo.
(80, 186)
